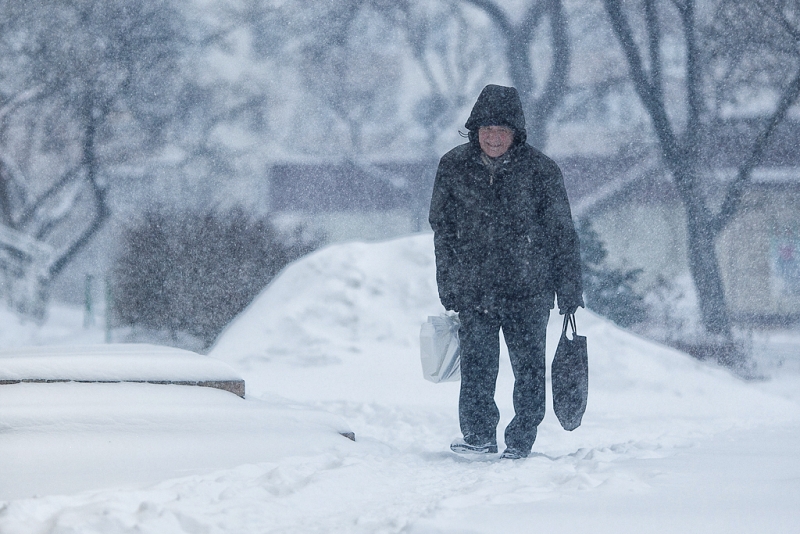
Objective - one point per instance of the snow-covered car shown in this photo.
(118, 362)
(78, 418)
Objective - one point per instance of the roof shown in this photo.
(593, 182)
(350, 186)
(727, 143)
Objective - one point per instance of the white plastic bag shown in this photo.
(439, 350)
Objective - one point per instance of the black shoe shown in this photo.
(462, 446)
(513, 454)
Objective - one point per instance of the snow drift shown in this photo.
(667, 444)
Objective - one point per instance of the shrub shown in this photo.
(608, 291)
(194, 272)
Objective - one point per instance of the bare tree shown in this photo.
(539, 98)
(455, 59)
(348, 55)
(771, 28)
(88, 87)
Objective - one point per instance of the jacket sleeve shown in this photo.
(565, 247)
(442, 221)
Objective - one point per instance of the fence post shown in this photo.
(109, 297)
(88, 308)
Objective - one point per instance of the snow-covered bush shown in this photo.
(673, 313)
(191, 273)
(607, 290)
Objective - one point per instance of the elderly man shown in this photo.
(505, 247)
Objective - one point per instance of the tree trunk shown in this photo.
(701, 234)
(555, 86)
(704, 267)
(718, 343)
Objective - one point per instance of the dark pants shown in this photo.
(524, 330)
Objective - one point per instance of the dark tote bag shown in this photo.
(570, 377)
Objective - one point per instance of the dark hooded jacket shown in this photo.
(503, 230)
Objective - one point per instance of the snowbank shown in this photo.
(343, 325)
(70, 437)
(667, 445)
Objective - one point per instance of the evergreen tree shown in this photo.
(608, 291)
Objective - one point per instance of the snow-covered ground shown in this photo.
(668, 444)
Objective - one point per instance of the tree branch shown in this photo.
(496, 14)
(559, 74)
(31, 211)
(779, 17)
(680, 6)
(735, 192)
(58, 214)
(19, 99)
(644, 87)
(5, 198)
(692, 79)
(517, 46)
(102, 213)
(654, 45)
(533, 16)
(89, 161)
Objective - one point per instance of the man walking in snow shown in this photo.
(505, 246)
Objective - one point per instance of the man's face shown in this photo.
(495, 140)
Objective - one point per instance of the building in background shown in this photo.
(348, 200)
(634, 207)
